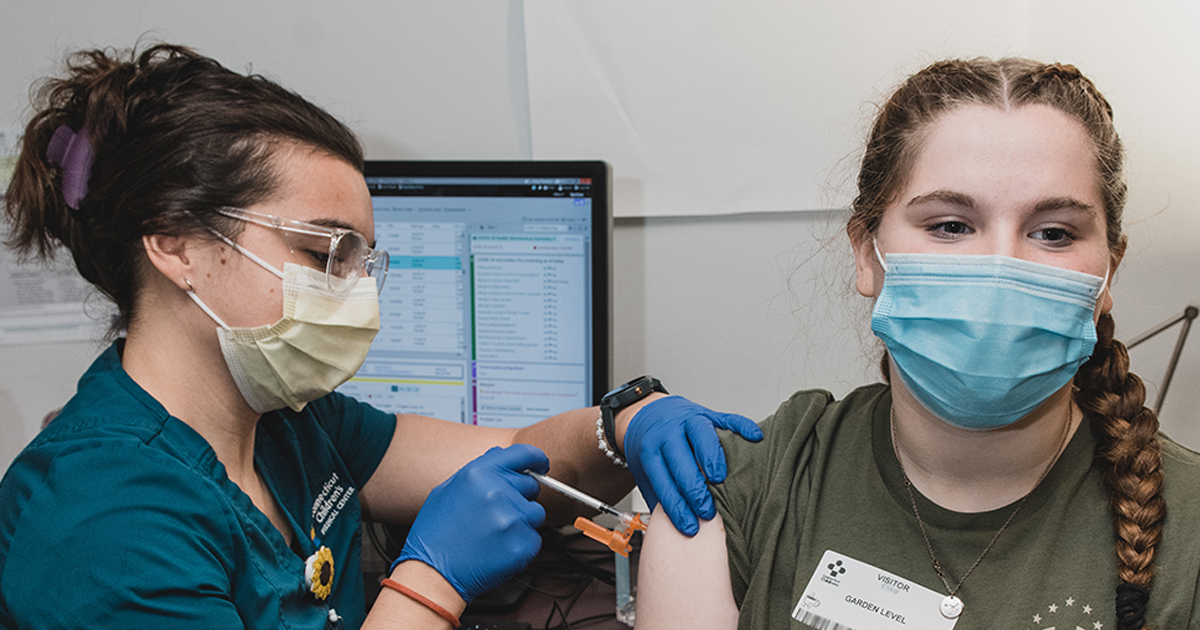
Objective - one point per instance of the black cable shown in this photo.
(534, 589)
(390, 542)
(374, 537)
(571, 601)
(562, 615)
(580, 589)
(584, 621)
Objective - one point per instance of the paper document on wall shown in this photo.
(48, 304)
(42, 303)
(8, 154)
(713, 108)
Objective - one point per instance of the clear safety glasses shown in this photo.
(345, 253)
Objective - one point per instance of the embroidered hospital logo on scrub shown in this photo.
(329, 503)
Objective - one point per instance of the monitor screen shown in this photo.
(495, 311)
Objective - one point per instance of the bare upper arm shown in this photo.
(684, 582)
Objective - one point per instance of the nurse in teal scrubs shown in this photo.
(205, 475)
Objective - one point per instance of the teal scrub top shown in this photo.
(119, 515)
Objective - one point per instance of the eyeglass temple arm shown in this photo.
(247, 253)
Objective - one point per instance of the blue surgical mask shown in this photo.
(981, 341)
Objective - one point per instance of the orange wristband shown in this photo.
(429, 603)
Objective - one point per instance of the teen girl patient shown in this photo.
(1007, 475)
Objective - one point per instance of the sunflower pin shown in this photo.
(318, 572)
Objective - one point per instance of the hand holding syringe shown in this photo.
(617, 541)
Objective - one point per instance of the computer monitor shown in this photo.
(496, 307)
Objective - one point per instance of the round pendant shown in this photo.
(951, 607)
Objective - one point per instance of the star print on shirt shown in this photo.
(1065, 614)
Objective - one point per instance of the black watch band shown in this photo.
(621, 397)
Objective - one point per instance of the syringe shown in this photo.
(582, 497)
(617, 541)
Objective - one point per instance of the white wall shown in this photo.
(734, 311)
(433, 80)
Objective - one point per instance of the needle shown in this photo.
(584, 498)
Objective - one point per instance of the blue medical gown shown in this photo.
(120, 516)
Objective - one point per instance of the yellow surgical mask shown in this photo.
(320, 342)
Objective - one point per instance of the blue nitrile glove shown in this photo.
(478, 528)
(664, 443)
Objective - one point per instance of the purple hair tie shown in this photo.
(72, 152)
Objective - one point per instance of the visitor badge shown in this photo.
(845, 594)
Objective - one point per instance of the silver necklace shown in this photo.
(951, 606)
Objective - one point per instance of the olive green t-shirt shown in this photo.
(825, 477)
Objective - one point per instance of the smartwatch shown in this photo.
(621, 397)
